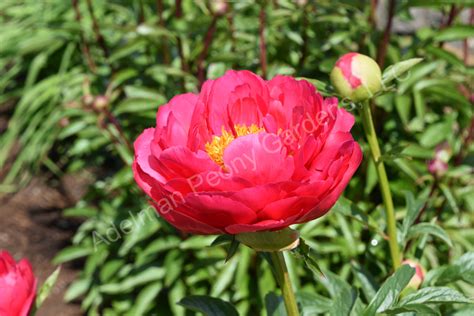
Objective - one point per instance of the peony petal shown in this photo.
(17, 287)
(217, 95)
(145, 175)
(217, 210)
(286, 208)
(259, 158)
(262, 225)
(258, 197)
(180, 162)
(188, 224)
(331, 197)
(244, 111)
(331, 149)
(29, 286)
(182, 106)
(6, 262)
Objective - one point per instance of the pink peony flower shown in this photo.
(17, 286)
(246, 155)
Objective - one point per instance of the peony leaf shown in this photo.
(413, 211)
(396, 70)
(347, 208)
(390, 290)
(456, 32)
(234, 245)
(72, 253)
(437, 3)
(434, 295)
(304, 252)
(132, 282)
(45, 290)
(419, 309)
(346, 302)
(224, 279)
(313, 304)
(209, 306)
(428, 228)
(461, 269)
(344, 295)
(367, 281)
(76, 289)
(275, 305)
(145, 298)
(222, 239)
(450, 198)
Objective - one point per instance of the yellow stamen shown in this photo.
(215, 148)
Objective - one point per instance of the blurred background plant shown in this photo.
(79, 81)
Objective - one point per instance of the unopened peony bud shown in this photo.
(439, 164)
(419, 276)
(219, 7)
(87, 100)
(356, 77)
(437, 167)
(63, 122)
(101, 102)
(301, 3)
(443, 152)
(17, 286)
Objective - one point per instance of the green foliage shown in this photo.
(45, 289)
(208, 305)
(55, 68)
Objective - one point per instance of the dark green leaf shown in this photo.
(433, 3)
(367, 281)
(72, 253)
(434, 295)
(390, 290)
(418, 309)
(145, 298)
(413, 209)
(234, 245)
(456, 32)
(312, 303)
(431, 229)
(345, 303)
(222, 239)
(274, 305)
(209, 306)
(77, 289)
(133, 281)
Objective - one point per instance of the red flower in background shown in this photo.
(246, 155)
(17, 286)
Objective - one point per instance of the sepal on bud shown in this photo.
(268, 241)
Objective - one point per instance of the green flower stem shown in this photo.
(371, 136)
(283, 279)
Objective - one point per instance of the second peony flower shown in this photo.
(246, 155)
(17, 286)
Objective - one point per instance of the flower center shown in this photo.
(215, 148)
